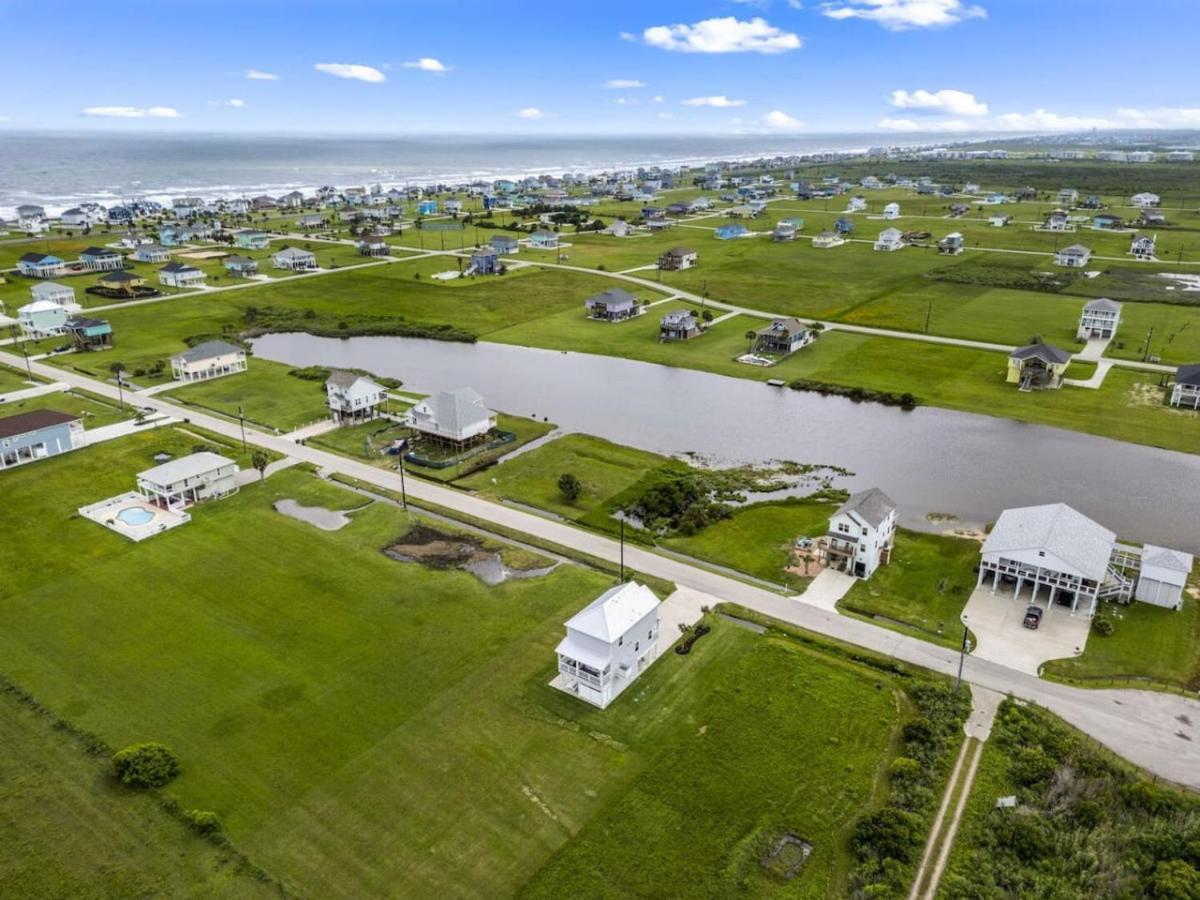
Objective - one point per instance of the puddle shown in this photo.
(319, 516)
(439, 550)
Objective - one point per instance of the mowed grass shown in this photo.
(265, 392)
(69, 829)
(923, 589)
(604, 469)
(758, 539)
(313, 687)
(770, 752)
(94, 411)
(1149, 642)
(14, 379)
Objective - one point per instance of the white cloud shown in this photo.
(957, 103)
(940, 125)
(727, 35)
(133, 112)
(719, 101)
(236, 102)
(622, 101)
(904, 15)
(428, 64)
(666, 115)
(1162, 117)
(258, 75)
(627, 35)
(619, 84)
(777, 118)
(657, 98)
(532, 112)
(795, 4)
(1044, 120)
(352, 71)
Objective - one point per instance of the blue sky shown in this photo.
(739, 66)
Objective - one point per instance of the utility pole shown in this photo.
(622, 549)
(120, 383)
(28, 367)
(242, 422)
(1149, 335)
(928, 315)
(962, 655)
(403, 491)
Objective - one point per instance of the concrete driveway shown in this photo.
(996, 619)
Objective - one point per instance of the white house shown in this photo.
(609, 643)
(890, 239)
(181, 275)
(1142, 247)
(999, 220)
(187, 480)
(457, 416)
(1074, 257)
(295, 259)
(827, 240)
(42, 318)
(861, 534)
(353, 398)
(212, 359)
(858, 204)
(1100, 319)
(53, 292)
(1144, 200)
(1163, 576)
(1186, 390)
(151, 253)
(891, 211)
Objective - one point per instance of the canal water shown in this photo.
(928, 460)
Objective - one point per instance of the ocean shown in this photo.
(61, 170)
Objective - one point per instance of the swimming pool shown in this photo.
(135, 515)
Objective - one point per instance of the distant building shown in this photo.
(1100, 319)
(505, 245)
(544, 240)
(181, 275)
(40, 434)
(251, 239)
(608, 644)
(1037, 366)
(353, 398)
(729, 232)
(1075, 256)
(1185, 393)
(827, 240)
(151, 253)
(53, 292)
(1142, 247)
(212, 359)
(613, 305)
(243, 266)
(41, 265)
(190, 479)
(678, 258)
(42, 318)
(100, 259)
(678, 325)
(484, 261)
(890, 239)
(1145, 199)
(891, 211)
(781, 337)
(952, 244)
(371, 246)
(294, 259)
(89, 334)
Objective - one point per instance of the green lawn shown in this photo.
(95, 411)
(71, 830)
(746, 768)
(312, 687)
(268, 395)
(603, 468)
(1161, 646)
(758, 539)
(14, 379)
(923, 589)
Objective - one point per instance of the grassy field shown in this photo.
(95, 411)
(267, 394)
(328, 686)
(758, 539)
(13, 379)
(923, 589)
(1161, 646)
(71, 830)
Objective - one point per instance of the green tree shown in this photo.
(570, 487)
(145, 765)
(260, 460)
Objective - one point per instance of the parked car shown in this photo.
(1033, 617)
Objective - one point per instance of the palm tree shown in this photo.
(750, 336)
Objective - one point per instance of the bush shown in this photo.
(203, 821)
(145, 765)
(570, 487)
(888, 833)
(1103, 626)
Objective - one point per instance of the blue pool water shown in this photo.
(135, 515)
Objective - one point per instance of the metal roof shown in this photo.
(1057, 529)
(614, 612)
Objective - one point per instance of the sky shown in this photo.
(611, 67)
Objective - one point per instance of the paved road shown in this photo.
(1145, 727)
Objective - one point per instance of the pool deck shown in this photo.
(107, 513)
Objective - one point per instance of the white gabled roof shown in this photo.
(1164, 564)
(614, 612)
(38, 306)
(1059, 530)
(185, 467)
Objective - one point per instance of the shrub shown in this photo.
(1103, 626)
(570, 487)
(203, 821)
(888, 833)
(145, 765)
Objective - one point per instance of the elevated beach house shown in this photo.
(354, 398)
(41, 265)
(891, 211)
(952, 244)
(100, 259)
(457, 417)
(212, 359)
(890, 239)
(371, 245)
(42, 318)
(781, 337)
(544, 240)
(294, 259)
(1075, 256)
(251, 239)
(613, 305)
(484, 261)
(1037, 366)
(39, 434)
(1100, 319)
(53, 292)
(1145, 200)
(1142, 247)
(243, 266)
(678, 258)
(181, 275)
(190, 479)
(608, 644)
(678, 325)
(151, 253)
(861, 534)
(505, 244)
(1185, 393)
(89, 334)
(827, 240)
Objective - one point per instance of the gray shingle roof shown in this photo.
(207, 350)
(613, 298)
(1058, 529)
(1045, 352)
(1103, 304)
(871, 505)
(1188, 375)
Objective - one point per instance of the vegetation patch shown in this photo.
(1085, 823)
(261, 320)
(1017, 278)
(787, 857)
(490, 561)
(904, 400)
